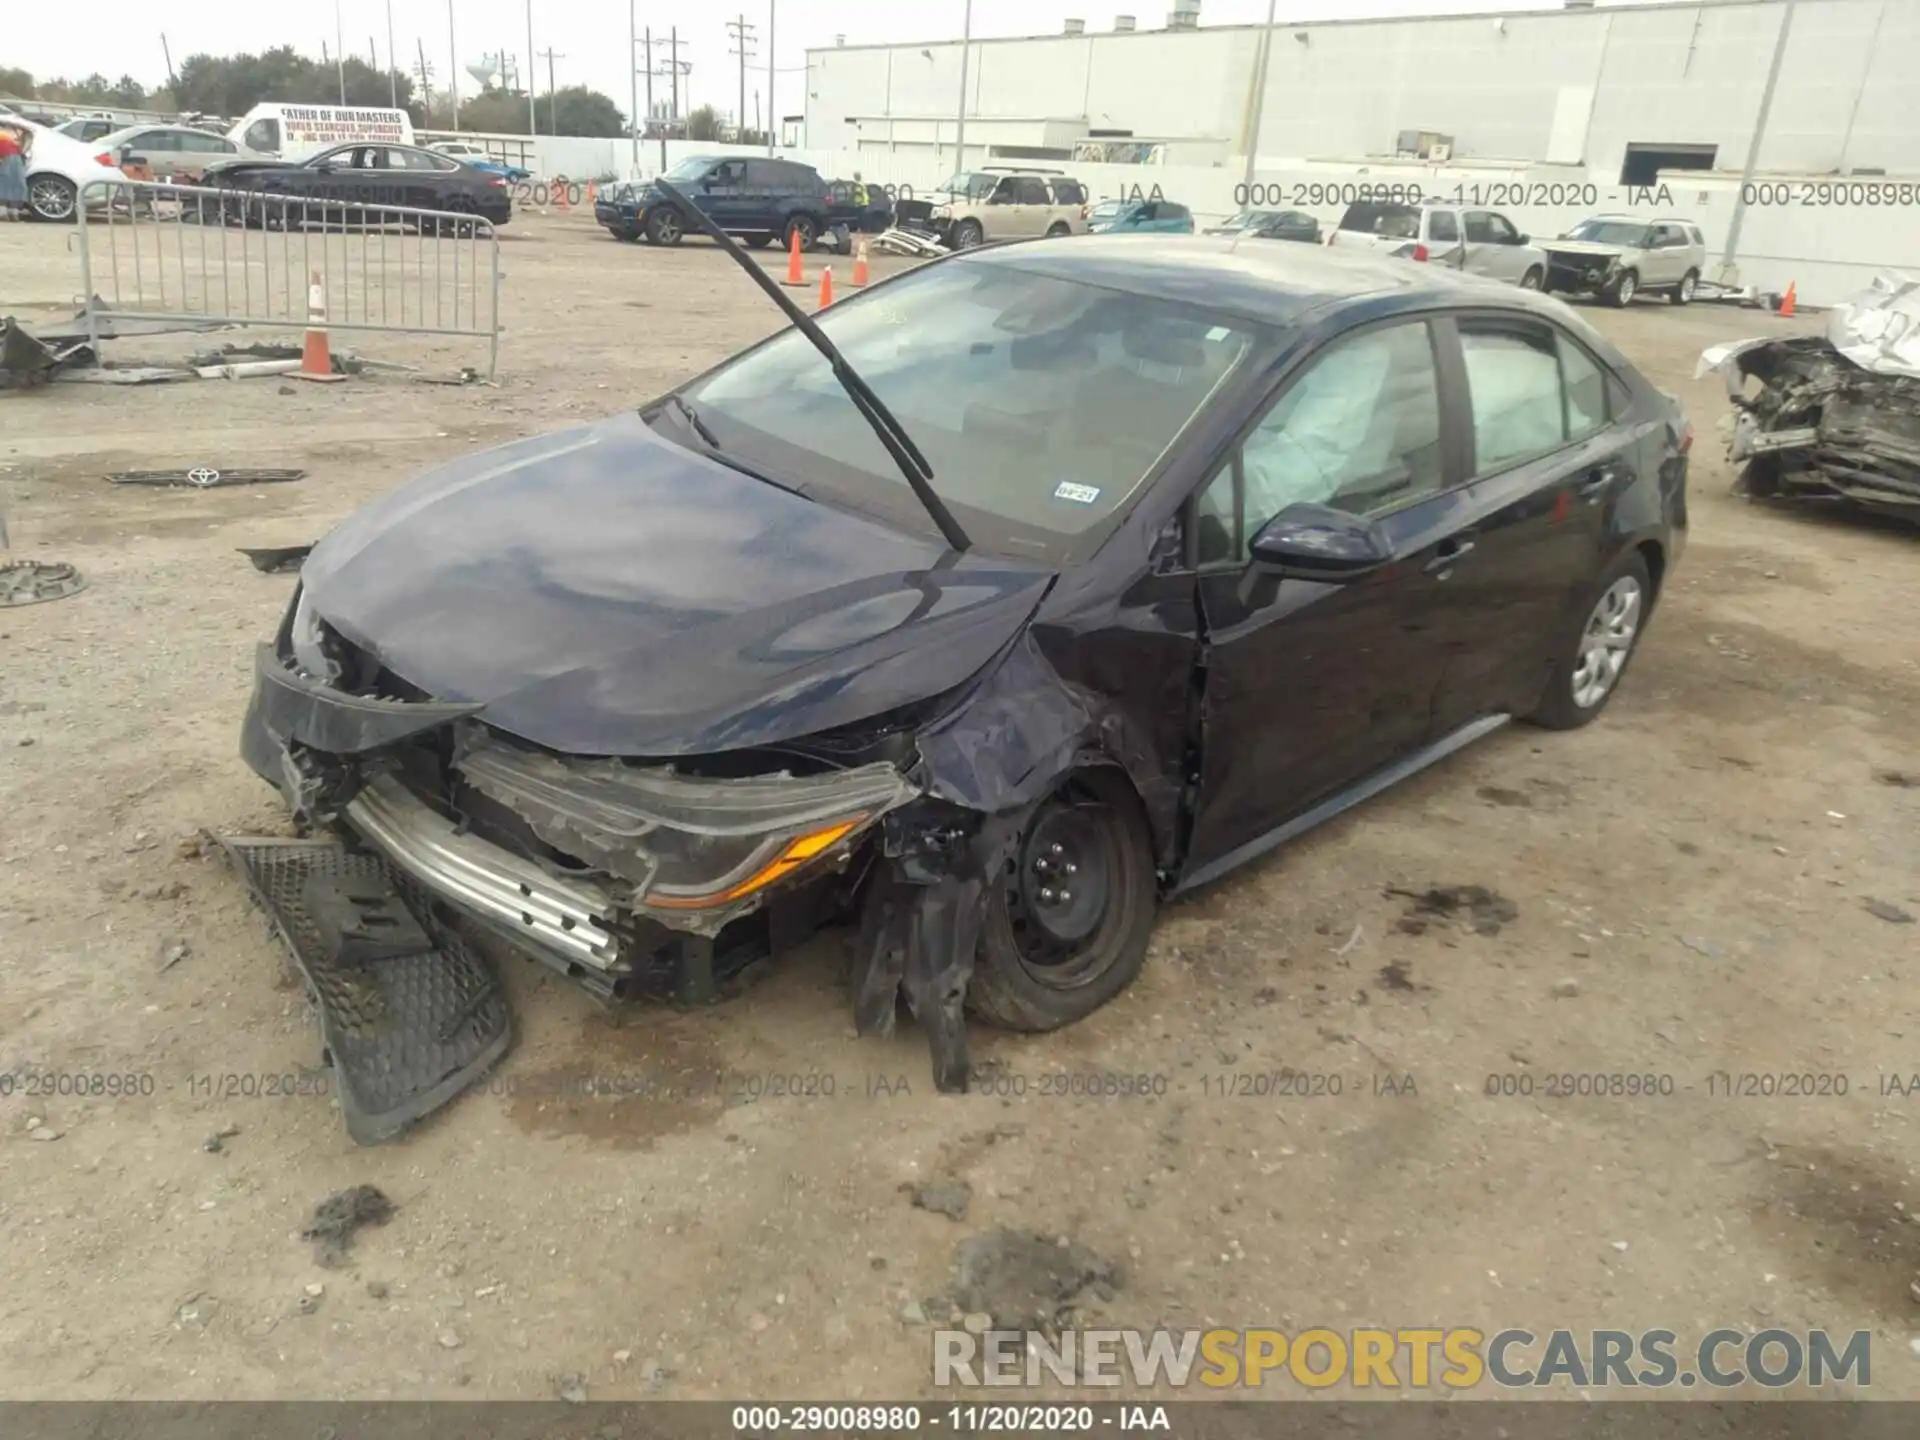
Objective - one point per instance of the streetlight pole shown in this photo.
(533, 127)
(393, 71)
(960, 129)
(633, 86)
(339, 51)
(453, 71)
(1753, 147)
(1260, 90)
(772, 118)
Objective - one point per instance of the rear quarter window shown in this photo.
(1382, 217)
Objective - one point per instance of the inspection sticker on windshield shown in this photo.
(1083, 494)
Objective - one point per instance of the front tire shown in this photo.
(1597, 646)
(1069, 917)
(1534, 279)
(758, 242)
(1621, 292)
(1683, 292)
(52, 198)
(664, 226)
(967, 234)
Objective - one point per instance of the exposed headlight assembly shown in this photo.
(688, 844)
(312, 642)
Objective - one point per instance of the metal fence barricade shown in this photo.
(188, 254)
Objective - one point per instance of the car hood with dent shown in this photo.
(603, 591)
(1584, 247)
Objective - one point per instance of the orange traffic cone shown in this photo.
(316, 361)
(592, 194)
(1786, 301)
(860, 263)
(826, 287)
(796, 277)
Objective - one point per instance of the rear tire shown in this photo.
(802, 226)
(52, 198)
(1047, 955)
(1057, 229)
(1682, 293)
(1597, 646)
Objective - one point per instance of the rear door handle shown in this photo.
(1448, 554)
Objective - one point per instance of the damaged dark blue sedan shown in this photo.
(982, 612)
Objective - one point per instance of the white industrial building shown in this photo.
(1620, 91)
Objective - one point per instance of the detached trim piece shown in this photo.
(564, 918)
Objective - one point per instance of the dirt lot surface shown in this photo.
(1691, 876)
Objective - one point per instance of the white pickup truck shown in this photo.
(1481, 242)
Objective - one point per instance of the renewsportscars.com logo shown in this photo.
(1410, 1359)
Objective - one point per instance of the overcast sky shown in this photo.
(123, 36)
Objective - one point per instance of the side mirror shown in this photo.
(1317, 542)
(1522, 239)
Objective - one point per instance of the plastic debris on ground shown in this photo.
(205, 477)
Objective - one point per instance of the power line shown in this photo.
(553, 99)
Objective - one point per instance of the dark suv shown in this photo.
(753, 198)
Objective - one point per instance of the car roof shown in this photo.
(1646, 219)
(1259, 281)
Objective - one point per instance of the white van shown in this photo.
(293, 132)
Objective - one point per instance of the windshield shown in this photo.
(971, 184)
(691, 169)
(1247, 218)
(1041, 403)
(1393, 219)
(1610, 232)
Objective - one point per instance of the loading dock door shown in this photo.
(1645, 162)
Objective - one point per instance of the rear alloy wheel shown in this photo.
(51, 197)
(799, 226)
(1069, 918)
(1622, 291)
(1594, 657)
(967, 234)
(1534, 279)
(1683, 292)
(664, 226)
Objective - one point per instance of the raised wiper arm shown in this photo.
(892, 435)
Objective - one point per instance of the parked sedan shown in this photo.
(355, 177)
(985, 610)
(1272, 225)
(58, 170)
(480, 160)
(1161, 217)
(175, 151)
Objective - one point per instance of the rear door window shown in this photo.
(1585, 383)
(1069, 192)
(1513, 377)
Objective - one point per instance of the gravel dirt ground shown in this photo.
(1690, 880)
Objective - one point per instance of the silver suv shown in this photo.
(995, 203)
(1480, 242)
(1618, 256)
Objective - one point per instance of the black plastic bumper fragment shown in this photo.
(410, 1014)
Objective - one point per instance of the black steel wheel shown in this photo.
(1072, 909)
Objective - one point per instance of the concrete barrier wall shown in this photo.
(1828, 237)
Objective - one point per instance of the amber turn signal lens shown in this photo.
(797, 853)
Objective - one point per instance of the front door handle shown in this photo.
(1594, 484)
(1448, 554)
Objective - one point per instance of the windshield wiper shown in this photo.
(892, 435)
(692, 417)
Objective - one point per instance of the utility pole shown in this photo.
(742, 34)
(532, 128)
(426, 77)
(553, 100)
(771, 114)
(633, 91)
(663, 132)
(960, 130)
(339, 52)
(393, 62)
(673, 41)
(453, 72)
(173, 81)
